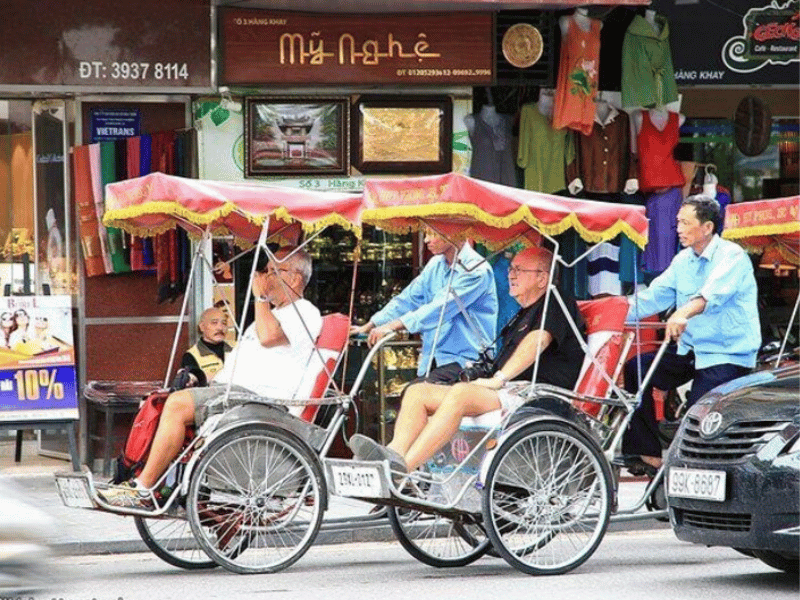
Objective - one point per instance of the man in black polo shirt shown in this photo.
(431, 413)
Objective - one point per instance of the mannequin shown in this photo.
(606, 118)
(491, 137)
(545, 102)
(581, 18)
(710, 182)
(650, 17)
(658, 116)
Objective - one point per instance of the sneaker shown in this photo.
(128, 495)
(365, 448)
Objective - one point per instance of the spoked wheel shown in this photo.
(256, 500)
(172, 541)
(437, 540)
(547, 499)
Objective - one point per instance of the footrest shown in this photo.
(357, 478)
(76, 489)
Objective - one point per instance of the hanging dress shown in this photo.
(578, 72)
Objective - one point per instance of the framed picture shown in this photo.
(296, 136)
(402, 135)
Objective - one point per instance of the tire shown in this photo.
(172, 541)
(782, 562)
(547, 499)
(256, 500)
(436, 540)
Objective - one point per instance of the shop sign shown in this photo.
(264, 47)
(124, 46)
(109, 124)
(37, 359)
(743, 42)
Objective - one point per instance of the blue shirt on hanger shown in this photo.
(728, 330)
(419, 307)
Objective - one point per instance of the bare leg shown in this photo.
(178, 413)
(462, 399)
(419, 401)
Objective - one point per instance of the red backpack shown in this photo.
(137, 447)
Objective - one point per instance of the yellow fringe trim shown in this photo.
(761, 230)
(170, 211)
(381, 217)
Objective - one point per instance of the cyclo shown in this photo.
(535, 485)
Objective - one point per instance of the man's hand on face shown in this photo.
(260, 284)
(676, 325)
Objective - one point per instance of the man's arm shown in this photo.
(188, 362)
(468, 286)
(268, 328)
(676, 324)
(524, 355)
(659, 296)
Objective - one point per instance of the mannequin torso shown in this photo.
(545, 102)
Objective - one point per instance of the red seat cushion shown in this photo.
(605, 314)
(332, 337)
(605, 321)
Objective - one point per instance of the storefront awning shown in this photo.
(766, 225)
(494, 214)
(152, 204)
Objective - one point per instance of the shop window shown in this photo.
(773, 173)
(16, 198)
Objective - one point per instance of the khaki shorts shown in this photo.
(211, 400)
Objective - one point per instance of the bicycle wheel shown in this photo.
(256, 500)
(437, 540)
(547, 499)
(172, 541)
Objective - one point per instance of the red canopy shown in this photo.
(155, 203)
(494, 214)
(766, 225)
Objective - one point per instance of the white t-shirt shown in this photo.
(281, 372)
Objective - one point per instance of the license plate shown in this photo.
(357, 481)
(74, 491)
(702, 484)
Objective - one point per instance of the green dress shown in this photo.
(648, 77)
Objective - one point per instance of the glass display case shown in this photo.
(393, 367)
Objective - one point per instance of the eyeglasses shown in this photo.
(516, 270)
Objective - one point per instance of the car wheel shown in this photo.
(788, 564)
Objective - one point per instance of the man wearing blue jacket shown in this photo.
(417, 309)
(715, 324)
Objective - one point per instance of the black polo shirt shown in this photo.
(559, 363)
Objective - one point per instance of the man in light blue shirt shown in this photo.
(716, 326)
(418, 308)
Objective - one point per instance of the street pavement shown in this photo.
(80, 531)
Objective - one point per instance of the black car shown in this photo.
(733, 469)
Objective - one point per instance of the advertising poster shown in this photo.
(37, 359)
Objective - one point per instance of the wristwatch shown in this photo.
(262, 298)
(501, 376)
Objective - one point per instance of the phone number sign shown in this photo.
(109, 45)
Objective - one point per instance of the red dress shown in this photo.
(657, 167)
(578, 70)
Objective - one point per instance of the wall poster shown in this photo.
(37, 359)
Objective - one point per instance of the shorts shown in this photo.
(513, 395)
(211, 400)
